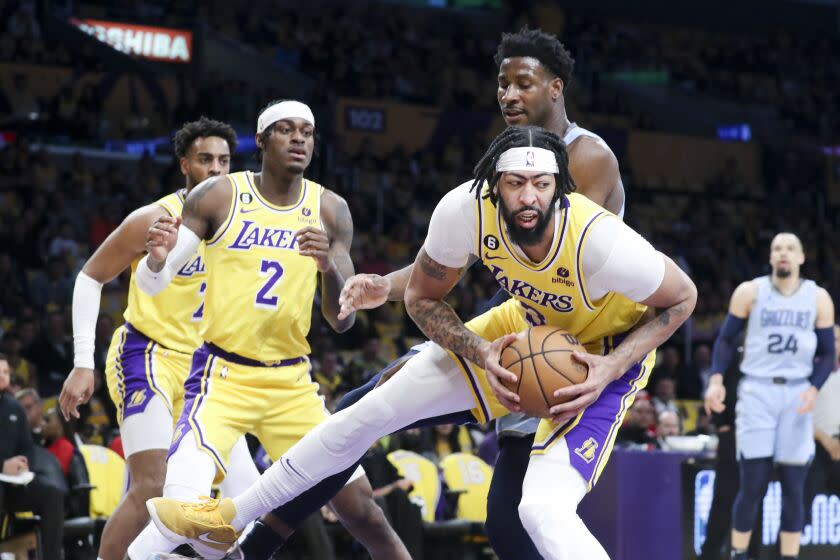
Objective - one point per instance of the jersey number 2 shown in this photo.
(775, 344)
(274, 271)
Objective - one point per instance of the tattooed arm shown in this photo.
(331, 250)
(674, 299)
(431, 282)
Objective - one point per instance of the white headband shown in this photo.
(528, 158)
(284, 110)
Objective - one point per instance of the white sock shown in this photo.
(551, 492)
(430, 384)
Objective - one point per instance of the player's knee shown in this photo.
(358, 425)
(536, 514)
(793, 497)
(146, 487)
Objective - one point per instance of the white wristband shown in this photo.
(86, 295)
(154, 282)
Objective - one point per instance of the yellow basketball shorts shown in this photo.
(138, 368)
(228, 396)
(591, 435)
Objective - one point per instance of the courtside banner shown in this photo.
(143, 41)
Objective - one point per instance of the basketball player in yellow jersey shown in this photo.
(150, 355)
(522, 219)
(269, 237)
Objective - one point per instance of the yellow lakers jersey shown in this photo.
(551, 292)
(259, 298)
(464, 471)
(171, 318)
(424, 475)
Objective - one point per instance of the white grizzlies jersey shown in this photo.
(781, 341)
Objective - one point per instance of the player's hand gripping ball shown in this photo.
(541, 358)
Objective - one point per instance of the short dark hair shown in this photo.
(203, 128)
(540, 45)
(3, 357)
(516, 137)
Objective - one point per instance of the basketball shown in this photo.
(541, 358)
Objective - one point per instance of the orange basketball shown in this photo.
(541, 359)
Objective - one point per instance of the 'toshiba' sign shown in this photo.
(144, 41)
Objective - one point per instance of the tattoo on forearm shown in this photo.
(651, 334)
(430, 267)
(439, 322)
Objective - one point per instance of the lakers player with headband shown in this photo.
(269, 238)
(521, 217)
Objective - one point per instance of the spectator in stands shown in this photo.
(668, 424)
(664, 395)
(22, 368)
(640, 424)
(52, 353)
(449, 438)
(55, 441)
(30, 400)
(16, 456)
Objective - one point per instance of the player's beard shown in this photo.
(783, 273)
(520, 235)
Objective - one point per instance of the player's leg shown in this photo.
(428, 385)
(271, 533)
(795, 450)
(142, 382)
(365, 520)
(242, 473)
(755, 436)
(217, 411)
(551, 492)
(504, 528)
(299, 411)
(566, 461)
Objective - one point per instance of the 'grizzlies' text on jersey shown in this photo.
(781, 340)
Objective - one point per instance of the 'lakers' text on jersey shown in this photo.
(553, 292)
(267, 288)
(170, 317)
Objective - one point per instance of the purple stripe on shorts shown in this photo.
(136, 390)
(588, 439)
(195, 388)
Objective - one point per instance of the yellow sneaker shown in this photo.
(205, 524)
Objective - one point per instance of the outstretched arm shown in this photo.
(331, 251)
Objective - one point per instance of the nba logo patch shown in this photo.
(587, 450)
(245, 198)
(306, 212)
(137, 398)
(529, 159)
